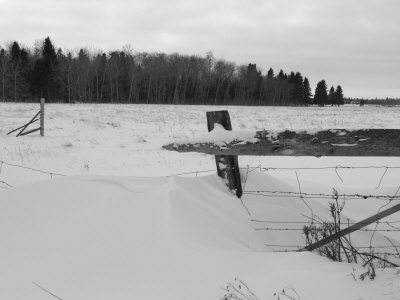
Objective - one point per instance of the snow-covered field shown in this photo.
(123, 225)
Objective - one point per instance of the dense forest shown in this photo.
(126, 76)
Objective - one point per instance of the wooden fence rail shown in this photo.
(354, 227)
(367, 142)
(336, 142)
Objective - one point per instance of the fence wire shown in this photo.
(300, 195)
(389, 252)
(288, 225)
(5, 185)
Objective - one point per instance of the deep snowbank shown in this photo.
(95, 237)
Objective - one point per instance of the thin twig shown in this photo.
(337, 173)
(393, 245)
(383, 175)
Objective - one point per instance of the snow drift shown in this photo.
(98, 237)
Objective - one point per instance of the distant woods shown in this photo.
(125, 76)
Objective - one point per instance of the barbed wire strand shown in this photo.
(32, 169)
(327, 168)
(246, 168)
(322, 229)
(275, 193)
(379, 210)
(301, 195)
(289, 194)
(358, 247)
(309, 223)
(293, 169)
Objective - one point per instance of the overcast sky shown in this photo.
(354, 43)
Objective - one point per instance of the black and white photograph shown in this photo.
(226, 150)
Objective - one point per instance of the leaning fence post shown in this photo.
(42, 116)
(352, 228)
(227, 165)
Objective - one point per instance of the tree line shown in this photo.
(126, 76)
(376, 101)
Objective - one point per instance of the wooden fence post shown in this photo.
(42, 116)
(227, 165)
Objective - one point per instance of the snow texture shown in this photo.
(123, 226)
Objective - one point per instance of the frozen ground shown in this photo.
(127, 140)
(121, 227)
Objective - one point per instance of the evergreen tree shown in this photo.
(331, 95)
(253, 81)
(338, 96)
(307, 95)
(3, 72)
(282, 75)
(298, 88)
(25, 75)
(321, 96)
(19, 64)
(270, 73)
(291, 78)
(44, 80)
(15, 65)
